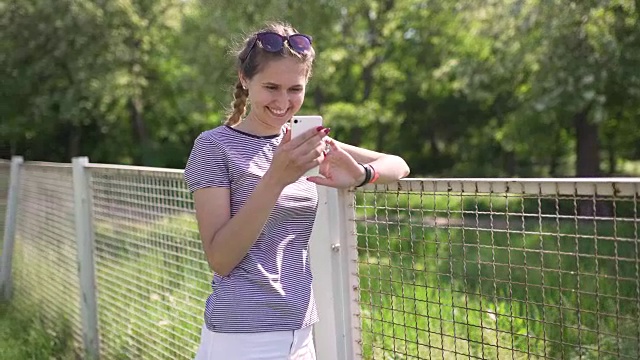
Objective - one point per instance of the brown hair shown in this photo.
(250, 61)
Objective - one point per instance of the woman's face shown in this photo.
(277, 92)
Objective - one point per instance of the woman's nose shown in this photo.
(284, 98)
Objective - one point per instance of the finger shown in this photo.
(314, 136)
(332, 144)
(320, 180)
(310, 161)
(309, 147)
(287, 136)
(307, 135)
(293, 142)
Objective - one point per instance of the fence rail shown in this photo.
(418, 269)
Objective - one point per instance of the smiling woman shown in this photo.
(275, 94)
(266, 79)
(256, 209)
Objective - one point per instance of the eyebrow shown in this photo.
(279, 85)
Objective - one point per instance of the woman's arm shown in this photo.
(340, 168)
(225, 239)
(389, 167)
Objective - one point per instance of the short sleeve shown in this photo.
(207, 165)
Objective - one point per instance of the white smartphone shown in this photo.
(301, 123)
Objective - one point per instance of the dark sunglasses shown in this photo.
(274, 42)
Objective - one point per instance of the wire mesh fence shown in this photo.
(152, 277)
(481, 269)
(45, 271)
(496, 270)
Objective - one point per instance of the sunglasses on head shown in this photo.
(274, 42)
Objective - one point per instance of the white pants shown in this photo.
(275, 345)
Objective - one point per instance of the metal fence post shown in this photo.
(10, 225)
(86, 266)
(333, 335)
(350, 281)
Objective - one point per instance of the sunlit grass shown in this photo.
(426, 291)
(23, 336)
(535, 291)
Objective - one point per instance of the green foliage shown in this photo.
(465, 88)
(24, 336)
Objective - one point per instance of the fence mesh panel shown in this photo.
(495, 270)
(527, 269)
(45, 271)
(5, 173)
(152, 277)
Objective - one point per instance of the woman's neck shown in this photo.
(254, 126)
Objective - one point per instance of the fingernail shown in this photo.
(319, 128)
(327, 130)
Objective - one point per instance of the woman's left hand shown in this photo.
(339, 169)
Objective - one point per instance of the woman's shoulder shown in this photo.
(222, 137)
(216, 134)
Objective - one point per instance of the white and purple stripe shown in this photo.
(270, 289)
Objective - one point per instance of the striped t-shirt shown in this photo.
(270, 289)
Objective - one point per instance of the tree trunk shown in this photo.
(383, 130)
(510, 163)
(368, 80)
(433, 142)
(556, 155)
(587, 146)
(588, 162)
(139, 129)
(355, 136)
(613, 166)
(74, 141)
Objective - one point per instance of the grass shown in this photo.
(542, 289)
(157, 289)
(24, 336)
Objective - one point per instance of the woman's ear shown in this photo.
(242, 80)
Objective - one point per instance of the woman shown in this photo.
(255, 209)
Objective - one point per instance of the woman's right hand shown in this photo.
(294, 157)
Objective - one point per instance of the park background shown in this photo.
(468, 88)
(458, 88)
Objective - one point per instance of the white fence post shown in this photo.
(86, 265)
(345, 202)
(331, 262)
(10, 224)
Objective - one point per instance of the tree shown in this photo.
(568, 66)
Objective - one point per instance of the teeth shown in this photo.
(278, 112)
